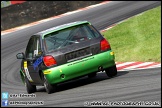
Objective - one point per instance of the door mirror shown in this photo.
(20, 56)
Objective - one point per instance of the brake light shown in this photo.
(104, 44)
(49, 60)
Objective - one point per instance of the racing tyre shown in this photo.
(91, 75)
(111, 71)
(49, 87)
(30, 88)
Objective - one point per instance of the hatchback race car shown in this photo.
(63, 53)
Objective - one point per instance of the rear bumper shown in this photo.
(80, 67)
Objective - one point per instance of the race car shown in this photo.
(64, 53)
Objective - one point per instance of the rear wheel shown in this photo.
(111, 71)
(30, 88)
(91, 75)
(49, 87)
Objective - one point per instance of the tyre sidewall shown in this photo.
(30, 88)
(111, 71)
(49, 87)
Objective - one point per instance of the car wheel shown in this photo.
(30, 88)
(49, 87)
(111, 71)
(91, 75)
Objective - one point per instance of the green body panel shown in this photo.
(22, 75)
(80, 67)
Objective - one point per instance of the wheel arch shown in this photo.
(22, 75)
(41, 75)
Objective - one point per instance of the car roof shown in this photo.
(56, 28)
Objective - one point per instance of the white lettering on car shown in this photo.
(27, 71)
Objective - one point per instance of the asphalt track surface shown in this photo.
(137, 85)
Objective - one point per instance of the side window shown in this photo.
(94, 31)
(29, 48)
(33, 48)
(37, 47)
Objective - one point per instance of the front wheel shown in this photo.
(111, 71)
(30, 88)
(49, 87)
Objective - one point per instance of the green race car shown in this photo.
(63, 53)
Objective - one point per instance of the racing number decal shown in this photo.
(27, 72)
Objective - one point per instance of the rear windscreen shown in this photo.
(69, 36)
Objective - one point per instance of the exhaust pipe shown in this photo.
(100, 68)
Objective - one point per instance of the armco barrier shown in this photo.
(31, 11)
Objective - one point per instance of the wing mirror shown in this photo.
(20, 56)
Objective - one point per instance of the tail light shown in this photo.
(49, 61)
(104, 45)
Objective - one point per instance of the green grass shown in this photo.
(138, 38)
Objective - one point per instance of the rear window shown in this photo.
(69, 36)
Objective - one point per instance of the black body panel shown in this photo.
(88, 48)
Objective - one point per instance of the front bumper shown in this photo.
(80, 67)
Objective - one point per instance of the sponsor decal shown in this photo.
(47, 72)
(60, 70)
(37, 62)
(27, 71)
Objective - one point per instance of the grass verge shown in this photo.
(138, 38)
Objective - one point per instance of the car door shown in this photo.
(33, 59)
